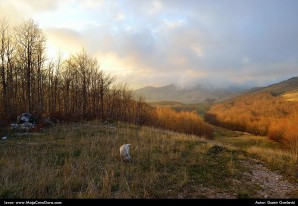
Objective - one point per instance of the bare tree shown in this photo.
(74, 88)
(3, 47)
(105, 80)
(31, 46)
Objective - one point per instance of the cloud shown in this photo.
(63, 40)
(38, 5)
(171, 41)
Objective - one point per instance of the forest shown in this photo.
(261, 113)
(71, 89)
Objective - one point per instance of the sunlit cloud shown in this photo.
(160, 42)
(63, 41)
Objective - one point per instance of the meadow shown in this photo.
(81, 160)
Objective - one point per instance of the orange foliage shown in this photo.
(184, 122)
(286, 130)
(259, 113)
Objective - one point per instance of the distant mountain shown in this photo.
(196, 94)
(281, 87)
(287, 89)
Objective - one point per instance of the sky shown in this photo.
(244, 43)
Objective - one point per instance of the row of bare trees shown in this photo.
(71, 89)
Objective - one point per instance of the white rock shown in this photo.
(124, 152)
(4, 138)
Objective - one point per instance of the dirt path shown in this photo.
(263, 183)
(267, 184)
(271, 184)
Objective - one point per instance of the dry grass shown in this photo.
(291, 96)
(272, 153)
(82, 160)
(278, 159)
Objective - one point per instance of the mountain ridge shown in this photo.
(198, 94)
(204, 94)
(276, 89)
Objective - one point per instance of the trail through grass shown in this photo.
(82, 160)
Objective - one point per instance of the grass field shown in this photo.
(81, 160)
(272, 153)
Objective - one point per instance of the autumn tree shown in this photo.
(72, 89)
(30, 49)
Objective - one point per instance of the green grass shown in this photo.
(81, 160)
(243, 140)
(274, 154)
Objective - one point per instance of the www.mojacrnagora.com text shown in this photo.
(37, 202)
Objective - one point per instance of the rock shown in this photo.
(4, 138)
(14, 126)
(25, 122)
(25, 117)
(124, 152)
(27, 125)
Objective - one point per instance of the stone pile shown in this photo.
(25, 122)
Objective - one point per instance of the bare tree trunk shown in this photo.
(3, 42)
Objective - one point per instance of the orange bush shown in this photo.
(259, 113)
(185, 122)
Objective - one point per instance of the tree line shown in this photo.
(71, 89)
(261, 114)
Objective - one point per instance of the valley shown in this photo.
(157, 99)
(81, 159)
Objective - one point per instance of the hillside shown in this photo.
(267, 111)
(81, 160)
(291, 96)
(198, 94)
(282, 87)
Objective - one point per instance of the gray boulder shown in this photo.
(25, 117)
(25, 122)
(28, 125)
